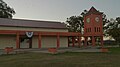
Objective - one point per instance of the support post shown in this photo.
(102, 41)
(58, 41)
(79, 41)
(93, 41)
(30, 43)
(39, 41)
(68, 42)
(73, 41)
(17, 41)
(85, 43)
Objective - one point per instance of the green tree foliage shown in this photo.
(74, 23)
(113, 29)
(84, 12)
(5, 10)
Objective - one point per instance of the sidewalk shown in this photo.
(58, 50)
(70, 49)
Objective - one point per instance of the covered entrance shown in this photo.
(40, 39)
(25, 42)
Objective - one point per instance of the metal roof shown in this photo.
(31, 23)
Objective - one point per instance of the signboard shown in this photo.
(29, 34)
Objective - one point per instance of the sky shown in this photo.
(60, 10)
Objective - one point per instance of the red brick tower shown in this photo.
(93, 26)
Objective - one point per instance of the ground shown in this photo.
(68, 59)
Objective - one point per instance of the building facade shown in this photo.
(44, 34)
(93, 27)
(19, 33)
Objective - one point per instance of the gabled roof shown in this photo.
(31, 23)
(93, 11)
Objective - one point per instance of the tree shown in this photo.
(113, 29)
(5, 10)
(84, 12)
(74, 23)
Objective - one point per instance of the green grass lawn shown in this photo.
(111, 59)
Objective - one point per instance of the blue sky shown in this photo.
(59, 10)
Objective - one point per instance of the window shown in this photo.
(86, 30)
(99, 29)
(95, 29)
(90, 29)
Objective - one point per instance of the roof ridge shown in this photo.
(92, 9)
(32, 20)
